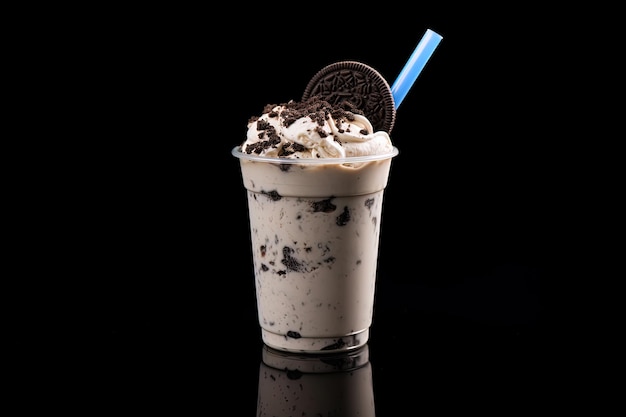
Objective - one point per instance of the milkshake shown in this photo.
(315, 175)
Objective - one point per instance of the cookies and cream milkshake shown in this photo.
(315, 175)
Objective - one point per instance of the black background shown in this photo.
(154, 296)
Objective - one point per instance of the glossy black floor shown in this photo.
(476, 343)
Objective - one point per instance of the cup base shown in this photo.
(316, 345)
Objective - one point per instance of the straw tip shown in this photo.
(414, 65)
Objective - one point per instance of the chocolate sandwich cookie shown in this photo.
(359, 84)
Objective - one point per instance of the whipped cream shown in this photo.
(314, 129)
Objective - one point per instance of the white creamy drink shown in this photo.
(315, 176)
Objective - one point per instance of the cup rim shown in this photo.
(236, 151)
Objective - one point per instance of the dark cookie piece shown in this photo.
(343, 218)
(358, 84)
(325, 206)
(340, 344)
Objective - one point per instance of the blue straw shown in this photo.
(414, 66)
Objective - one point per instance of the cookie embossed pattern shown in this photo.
(359, 84)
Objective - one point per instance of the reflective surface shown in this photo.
(328, 385)
(171, 351)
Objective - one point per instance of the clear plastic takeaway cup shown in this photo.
(315, 227)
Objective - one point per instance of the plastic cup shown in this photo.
(315, 227)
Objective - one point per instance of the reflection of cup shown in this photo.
(315, 227)
(315, 385)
